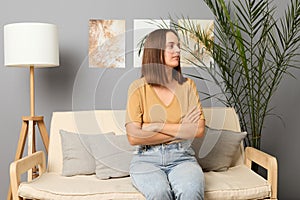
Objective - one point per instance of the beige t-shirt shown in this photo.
(144, 105)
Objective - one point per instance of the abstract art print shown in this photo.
(193, 50)
(106, 43)
(142, 27)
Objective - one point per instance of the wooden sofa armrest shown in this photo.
(266, 161)
(18, 167)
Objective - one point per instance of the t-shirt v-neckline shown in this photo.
(160, 100)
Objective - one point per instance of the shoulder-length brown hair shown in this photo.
(153, 63)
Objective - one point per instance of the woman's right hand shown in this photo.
(192, 116)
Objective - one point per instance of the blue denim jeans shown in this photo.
(167, 172)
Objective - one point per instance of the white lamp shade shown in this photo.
(31, 44)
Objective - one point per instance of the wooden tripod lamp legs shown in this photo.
(28, 131)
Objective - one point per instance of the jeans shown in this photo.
(167, 172)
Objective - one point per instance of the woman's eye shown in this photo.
(170, 46)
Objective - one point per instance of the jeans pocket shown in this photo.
(191, 151)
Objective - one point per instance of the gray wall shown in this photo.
(73, 86)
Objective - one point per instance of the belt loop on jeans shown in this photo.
(179, 145)
(146, 147)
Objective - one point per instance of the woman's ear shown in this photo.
(162, 60)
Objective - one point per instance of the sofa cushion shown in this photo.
(84, 122)
(77, 156)
(80, 187)
(216, 150)
(236, 183)
(112, 155)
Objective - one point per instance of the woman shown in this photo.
(164, 114)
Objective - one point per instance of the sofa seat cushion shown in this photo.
(236, 183)
(80, 187)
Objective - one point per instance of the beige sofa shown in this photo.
(238, 182)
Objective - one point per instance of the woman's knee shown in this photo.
(190, 191)
(153, 185)
(187, 181)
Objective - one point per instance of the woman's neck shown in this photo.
(169, 72)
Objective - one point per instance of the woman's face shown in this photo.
(172, 50)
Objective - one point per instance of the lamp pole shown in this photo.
(31, 90)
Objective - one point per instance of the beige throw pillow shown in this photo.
(77, 156)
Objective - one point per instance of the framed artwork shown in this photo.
(191, 45)
(142, 27)
(106, 43)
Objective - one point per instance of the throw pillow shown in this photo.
(216, 150)
(112, 155)
(77, 157)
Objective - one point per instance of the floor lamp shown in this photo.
(31, 45)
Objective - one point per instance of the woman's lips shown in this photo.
(176, 57)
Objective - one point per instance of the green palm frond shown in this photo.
(252, 52)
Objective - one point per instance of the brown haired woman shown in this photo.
(164, 114)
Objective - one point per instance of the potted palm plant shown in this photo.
(252, 52)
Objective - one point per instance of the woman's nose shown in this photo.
(177, 49)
